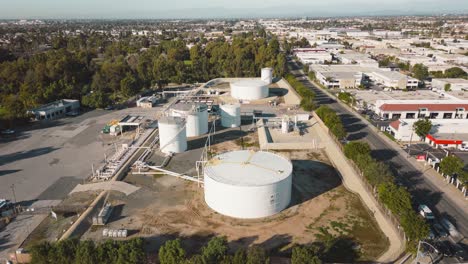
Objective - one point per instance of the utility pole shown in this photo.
(14, 194)
(409, 146)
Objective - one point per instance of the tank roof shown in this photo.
(250, 82)
(190, 107)
(248, 168)
(170, 120)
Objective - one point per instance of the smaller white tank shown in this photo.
(172, 135)
(285, 125)
(230, 115)
(196, 117)
(267, 75)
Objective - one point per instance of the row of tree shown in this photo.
(216, 251)
(332, 121)
(396, 198)
(74, 251)
(307, 95)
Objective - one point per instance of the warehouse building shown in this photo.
(312, 56)
(56, 109)
(339, 76)
(414, 109)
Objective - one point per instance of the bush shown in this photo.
(332, 121)
(74, 251)
(307, 95)
(171, 252)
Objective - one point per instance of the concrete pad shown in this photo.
(123, 187)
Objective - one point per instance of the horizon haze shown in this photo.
(183, 9)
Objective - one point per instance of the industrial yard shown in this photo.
(216, 162)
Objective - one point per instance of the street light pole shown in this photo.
(419, 247)
(14, 194)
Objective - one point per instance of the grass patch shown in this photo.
(389, 135)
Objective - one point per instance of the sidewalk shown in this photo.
(353, 182)
(452, 193)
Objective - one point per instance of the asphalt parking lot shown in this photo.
(46, 161)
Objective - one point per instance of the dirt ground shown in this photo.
(166, 207)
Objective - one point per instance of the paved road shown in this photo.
(406, 173)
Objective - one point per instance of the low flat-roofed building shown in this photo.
(414, 109)
(312, 56)
(357, 58)
(147, 102)
(394, 79)
(56, 109)
(379, 75)
(455, 84)
(341, 80)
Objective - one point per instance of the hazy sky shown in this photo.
(220, 8)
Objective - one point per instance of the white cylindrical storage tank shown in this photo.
(172, 135)
(230, 115)
(196, 118)
(248, 184)
(267, 75)
(249, 89)
(285, 126)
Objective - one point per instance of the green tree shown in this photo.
(304, 255)
(85, 253)
(40, 253)
(420, 71)
(215, 250)
(447, 87)
(355, 148)
(451, 165)
(422, 127)
(455, 72)
(129, 85)
(346, 97)
(240, 257)
(257, 255)
(171, 252)
(396, 198)
(415, 227)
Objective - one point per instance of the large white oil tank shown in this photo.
(196, 118)
(252, 89)
(172, 135)
(230, 115)
(267, 75)
(248, 184)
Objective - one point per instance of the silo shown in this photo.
(172, 135)
(230, 115)
(196, 117)
(267, 75)
(249, 89)
(248, 184)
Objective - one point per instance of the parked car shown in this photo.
(440, 230)
(426, 212)
(449, 227)
(7, 132)
(444, 248)
(432, 234)
(461, 251)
